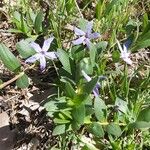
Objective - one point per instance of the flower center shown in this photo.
(86, 35)
(42, 52)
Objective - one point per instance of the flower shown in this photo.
(42, 53)
(124, 53)
(97, 86)
(85, 36)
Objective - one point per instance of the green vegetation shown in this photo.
(118, 117)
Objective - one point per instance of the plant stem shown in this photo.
(81, 15)
(107, 123)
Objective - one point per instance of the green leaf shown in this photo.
(131, 25)
(85, 64)
(77, 52)
(70, 92)
(99, 106)
(9, 60)
(78, 114)
(145, 20)
(146, 23)
(24, 26)
(14, 31)
(61, 121)
(99, 9)
(51, 107)
(109, 7)
(32, 15)
(82, 24)
(89, 86)
(113, 129)
(144, 115)
(38, 22)
(17, 16)
(67, 113)
(140, 124)
(92, 52)
(20, 22)
(79, 99)
(101, 46)
(116, 56)
(69, 6)
(17, 20)
(142, 42)
(65, 60)
(144, 36)
(85, 91)
(122, 105)
(24, 48)
(96, 129)
(60, 129)
(23, 81)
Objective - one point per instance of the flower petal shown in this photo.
(87, 42)
(120, 48)
(50, 55)
(128, 43)
(78, 41)
(42, 62)
(36, 47)
(78, 31)
(128, 60)
(125, 48)
(33, 58)
(97, 85)
(47, 44)
(124, 54)
(94, 35)
(88, 78)
(96, 92)
(89, 27)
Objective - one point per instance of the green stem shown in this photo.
(81, 15)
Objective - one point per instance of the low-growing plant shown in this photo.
(100, 101)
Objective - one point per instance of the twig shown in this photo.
(11, 80)
(15, 78)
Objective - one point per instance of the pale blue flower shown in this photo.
(42, 53)
(97, 86)
(124, 54)
(84, 37)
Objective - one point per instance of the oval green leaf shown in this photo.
(144, 115)
(96, 129)
(140, 124)
(23, 81)
(60, 129)
(78, 114)
(99, 106)
(38, 22)
(65, 60)
(24, 49)
(113, 129)
(9, 60)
